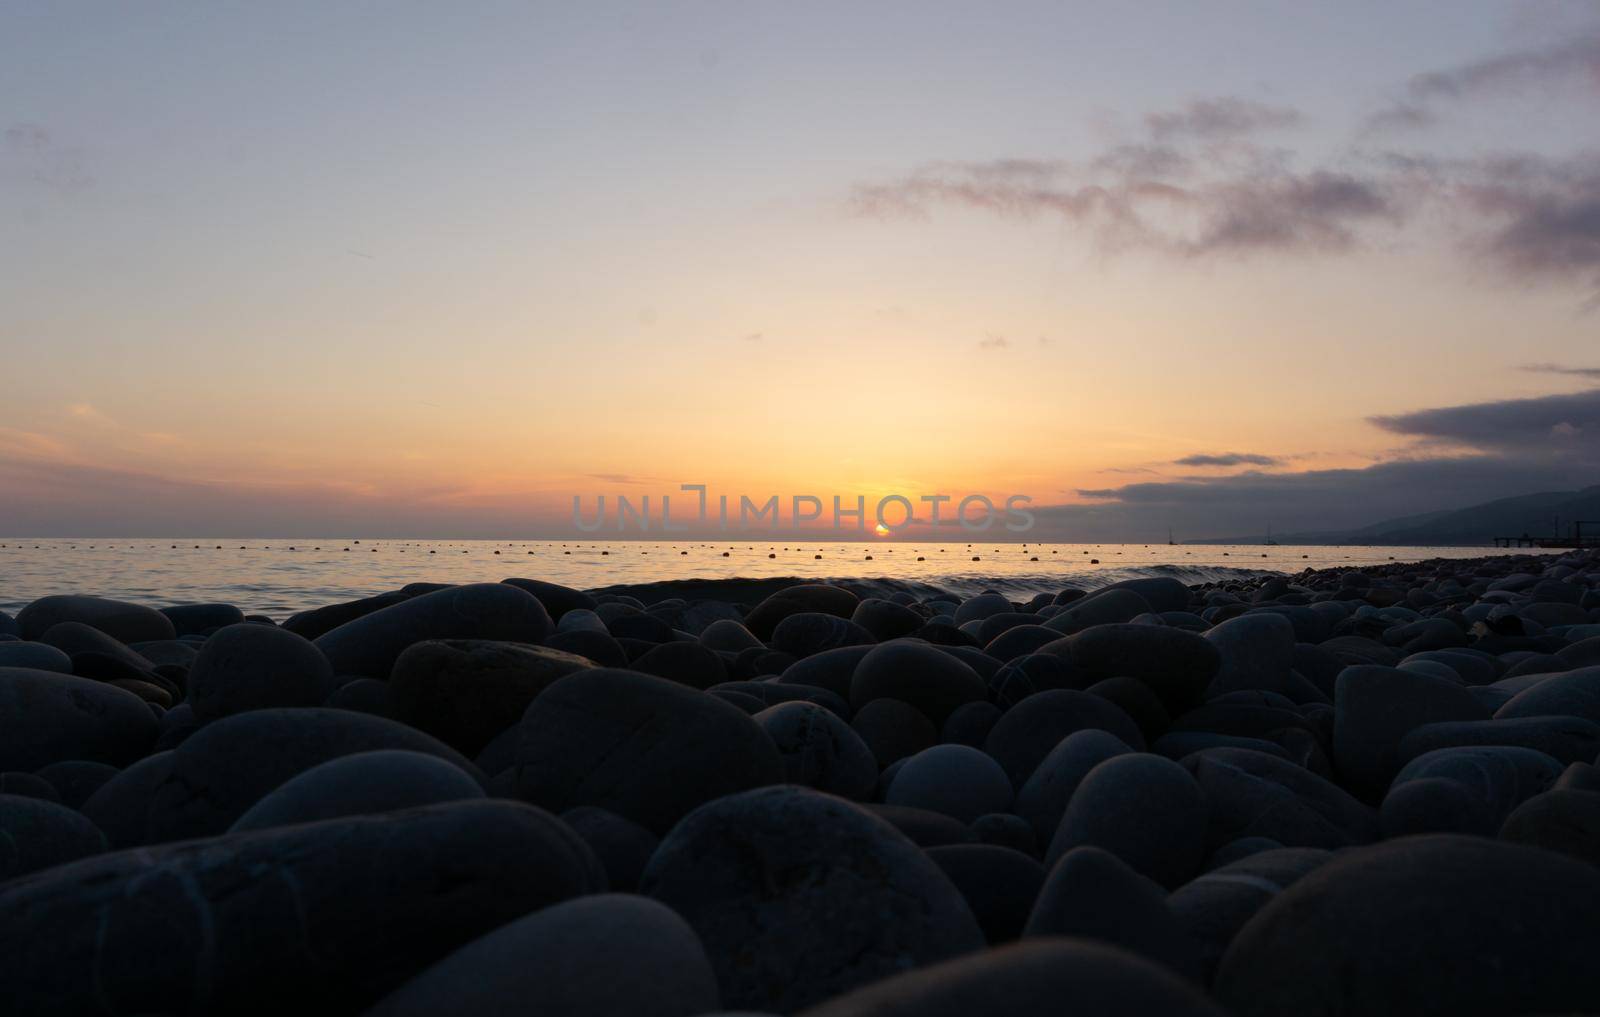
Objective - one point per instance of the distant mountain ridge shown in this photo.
(1536, 515)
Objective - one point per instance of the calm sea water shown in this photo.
(279, 577)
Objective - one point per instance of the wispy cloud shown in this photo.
(1220, 117)
(1574, 60)
(31, 153)
(1227, 459)
(1579, 372)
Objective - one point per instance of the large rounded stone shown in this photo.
(598, 647)
(121, 806)
(319, 621)
(1177, 665)
(466, 691)
(1434, 805)
(893, 730)
(46, 717)
(1502, 776)
(729, 636)
(369, 645)
(609, 955)
(1254, 794)
(623, 846)
(1033, 978)
(557, 600)
(917, 673)
(956, 780)
(1162, 593)
(1423, 925)
(1568, 739)
(1027, 733)
(1146, 810)
(97, 655)
(126, 623)
(202, 619)
(1031, 673)
(831, 669)
(230, 764)
(1019, 641)
(76, 779)
(999, 885)
(1573, 694)
(885, 619)
(252, 667)
(984, 605)
(34, 657)
(1092, 894)
(856, 900)
(642, 747)
(354, 785)
(684, 662)
(1375, 707)
(765, 616)
(37, 834)
(320, 918)
(809, 632)
(1214, 906)
(820, 750)
(1258, 653)
(1563, 819)
(1043, 799)
(970, 724)
(1103, 607)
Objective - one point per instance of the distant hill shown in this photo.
(1533, 514)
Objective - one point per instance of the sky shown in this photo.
(416, 269)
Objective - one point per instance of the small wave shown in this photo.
(955, 585)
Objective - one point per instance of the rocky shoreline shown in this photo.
(1366, 790)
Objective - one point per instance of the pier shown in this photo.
(1577, 539)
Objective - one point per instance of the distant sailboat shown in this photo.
(1270, 541)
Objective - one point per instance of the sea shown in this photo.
(279, 577)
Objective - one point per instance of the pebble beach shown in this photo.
(1348, 790)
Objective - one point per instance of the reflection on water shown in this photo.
(278, 577)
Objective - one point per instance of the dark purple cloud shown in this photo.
(1555, 426)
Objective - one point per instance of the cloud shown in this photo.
(993, 342)
(1576, 59)
(621, 478)
(31, 154)
(1580, 372)
(1227, 459)
(1546, 215)
(1512, 427)
(1218, 118)
(1571, 61)
(1260, 207)
(754, 337)
(1523, 218)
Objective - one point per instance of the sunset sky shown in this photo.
(431, 270)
